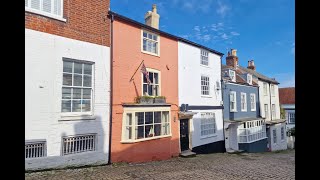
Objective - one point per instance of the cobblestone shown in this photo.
(220, 166)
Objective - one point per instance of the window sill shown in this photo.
(204, 96)
(254, 140)
(45, 14)
(209, 136)
(243, 110)
(205, 66)
(233, 111)
(253, 109)
(145, 139)
(76, 118)
(149, 53)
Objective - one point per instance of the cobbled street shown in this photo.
(269, 165)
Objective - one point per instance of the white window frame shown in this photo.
(44, 13)
(245, 105)
(233, 77)
(272, 90)
(158, 41)
(282, 133)
(89, 113)
(204, 57)
(249, 79)
(273, 111)
(251, 131)
(207, 124)
(132, 111)
(290, 115)
(266, 111)
(253, 102)
(235, 101)
(207, 82)
(274, 135)
(265, 89)
(150, 70)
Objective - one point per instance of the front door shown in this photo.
(184, 134)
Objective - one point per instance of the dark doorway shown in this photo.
(184, 134)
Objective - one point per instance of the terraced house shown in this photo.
(67, 74)
(245, 129)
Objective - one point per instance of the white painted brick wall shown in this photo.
(281, 144)
(43, 57)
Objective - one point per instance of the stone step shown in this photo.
(187, 153)
(232, 151)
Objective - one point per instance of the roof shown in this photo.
(126, 19)
(239, 79)
(259, 76)
(287, 95)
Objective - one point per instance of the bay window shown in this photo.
(252, 131)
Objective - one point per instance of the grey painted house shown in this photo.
(245, 129)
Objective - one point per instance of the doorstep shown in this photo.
(187, 153)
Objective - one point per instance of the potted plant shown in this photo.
(160, 99)
(144, 100)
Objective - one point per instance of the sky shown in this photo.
(260, 30)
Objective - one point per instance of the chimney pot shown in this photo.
(251, 65)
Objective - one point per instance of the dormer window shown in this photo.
(232, 75)
(249, 79)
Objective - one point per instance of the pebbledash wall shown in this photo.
(190, 71)
(83, 36)
(127, 58)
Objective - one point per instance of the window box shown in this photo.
(144, 100)
(160, 99)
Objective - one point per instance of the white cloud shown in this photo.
(234, 33)
(222, 9)
(224, 36)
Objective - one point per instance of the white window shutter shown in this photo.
(46, 5)
(35, 4)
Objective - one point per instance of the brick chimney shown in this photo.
(232, 59)
(251, 65)
(152, 17)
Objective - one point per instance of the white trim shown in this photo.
(235, 101)
(209, 89)
(245, 102)
(205, 116)
(249, 82)
(158, 40)
(51, 15)
(234, 73)
(205, 51)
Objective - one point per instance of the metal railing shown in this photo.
(79, 144)
(34, 150)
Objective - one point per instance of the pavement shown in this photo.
(218, 166)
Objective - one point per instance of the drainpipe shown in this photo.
(270, 101)
(111, 83)
(221, 81)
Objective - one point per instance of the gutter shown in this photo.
(111, 87)
(221, 81)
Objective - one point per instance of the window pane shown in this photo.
(151, 77)
(139, 118)
(157, 117)
(139, 132)
(155, 37)
(165, 116)
(57, 7)
(67, 79)
(145, 89)
(77, 68)
(46, 5)
(149, 117)
(150, 91)
(86, 105)
(77, 80)
(156, 78)
(87, 69)
(149, 36)
(157, 129)
(128, 132)
(144, 34)
(76, 93)
(144, 45)
(165, 129)
(86, 94)
(66, 106)
(76, 106)
(26, 3)
(144, 78)
(67, 66)
(156, 90)
(87, 81)
(149, 131)
(35, 4)
(66, 93)
(129, 119)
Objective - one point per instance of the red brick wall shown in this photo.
(86, 21)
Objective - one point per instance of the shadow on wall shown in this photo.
(73, 151)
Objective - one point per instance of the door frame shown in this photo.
(189, 133)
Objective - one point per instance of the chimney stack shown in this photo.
(152, 17)
(251, 65)
(232, 59)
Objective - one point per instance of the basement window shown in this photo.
(78, 144)
(35, 149)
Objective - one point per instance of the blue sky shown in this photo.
(262, 30)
